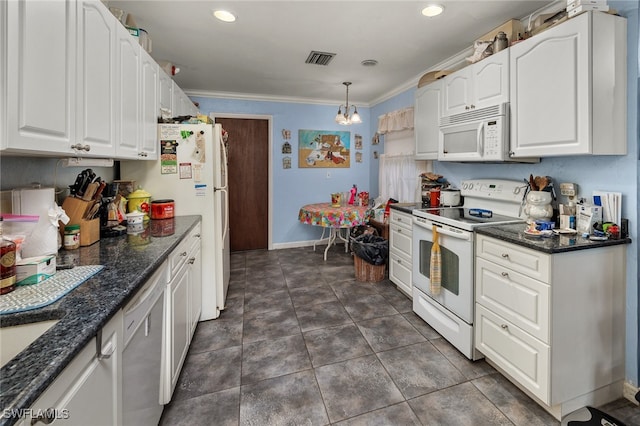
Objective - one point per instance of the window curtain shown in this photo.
(394, 121)
(398, 177)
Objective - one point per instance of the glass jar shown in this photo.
(7, 264)
(71, 237)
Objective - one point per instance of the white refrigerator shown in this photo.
(192, 171)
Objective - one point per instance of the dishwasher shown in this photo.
(142, 356)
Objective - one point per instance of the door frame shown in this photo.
(269, 119)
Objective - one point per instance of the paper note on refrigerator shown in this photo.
(611, 203)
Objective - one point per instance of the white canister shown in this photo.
(450, 197)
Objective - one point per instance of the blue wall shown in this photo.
(295, 187)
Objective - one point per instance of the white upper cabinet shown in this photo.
(427, 120)
(166, 91)
(568, 89)
(479, 85)
(3, 74)
(181, 104)
(95, 122)
(128, 94)
(149, 73)
(41, 76)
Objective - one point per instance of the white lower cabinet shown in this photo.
(178, 327)
(553, 323)
(195, 275)
(182, 308)
(89, 389)
(400, 242)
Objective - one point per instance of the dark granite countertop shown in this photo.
(406, 207)
(554, 244)
(82, 312)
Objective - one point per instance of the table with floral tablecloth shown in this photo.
(335, 218)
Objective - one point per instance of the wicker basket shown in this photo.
(366, 272)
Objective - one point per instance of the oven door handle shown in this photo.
(426, 224)
(461, 235)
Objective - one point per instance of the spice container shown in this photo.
(7, 264)
(71, 237)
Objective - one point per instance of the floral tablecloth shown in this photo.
(322, 214)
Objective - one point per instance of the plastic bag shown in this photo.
(371, 248)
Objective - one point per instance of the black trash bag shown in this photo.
(371, 248)
(356, 231)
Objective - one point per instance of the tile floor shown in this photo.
(301, 342)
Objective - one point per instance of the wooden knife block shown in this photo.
(76, 209)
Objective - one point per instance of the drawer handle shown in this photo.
(197, 236)
(399, 230)
(505, 255)
(504, 326)
(184, 253)
(192, 260)
(505, 274)
(99, 353)
(399, 262)
(399, 219)
(47, 417)
(80, 147)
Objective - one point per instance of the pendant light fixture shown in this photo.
(347, 117)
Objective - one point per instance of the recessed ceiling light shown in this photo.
(224, 15)
(433, 10)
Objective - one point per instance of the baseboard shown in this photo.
(629, 391)
(294, 244)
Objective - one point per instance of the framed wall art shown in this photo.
(324, 148)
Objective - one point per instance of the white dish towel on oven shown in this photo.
(435, 266)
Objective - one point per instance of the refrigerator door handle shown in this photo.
(225, 226)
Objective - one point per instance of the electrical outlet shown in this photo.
(328, 175)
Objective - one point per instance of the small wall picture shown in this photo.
(324, 148)
(358, 157)
(375, 154)
(286, 162)
(375, 140)
(358, 140)
(286, 148)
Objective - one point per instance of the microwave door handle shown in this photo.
(480, 137)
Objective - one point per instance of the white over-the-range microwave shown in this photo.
(477, 135)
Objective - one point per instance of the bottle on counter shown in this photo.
(7, 263)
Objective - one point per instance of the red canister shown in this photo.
(162, 209)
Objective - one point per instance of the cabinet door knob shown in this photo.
(184, 253)
(399, 262)
(192, 260)
(504, 326)
(504, 274)
(466, 107)
(473, 106)
(505, 255)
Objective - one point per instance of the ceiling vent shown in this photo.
(319, 58)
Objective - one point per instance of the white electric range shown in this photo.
(487, 202)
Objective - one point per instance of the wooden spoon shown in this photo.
(532, 183)
(541, 182)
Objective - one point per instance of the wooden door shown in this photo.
(248, 150)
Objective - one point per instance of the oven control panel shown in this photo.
(497, 189)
